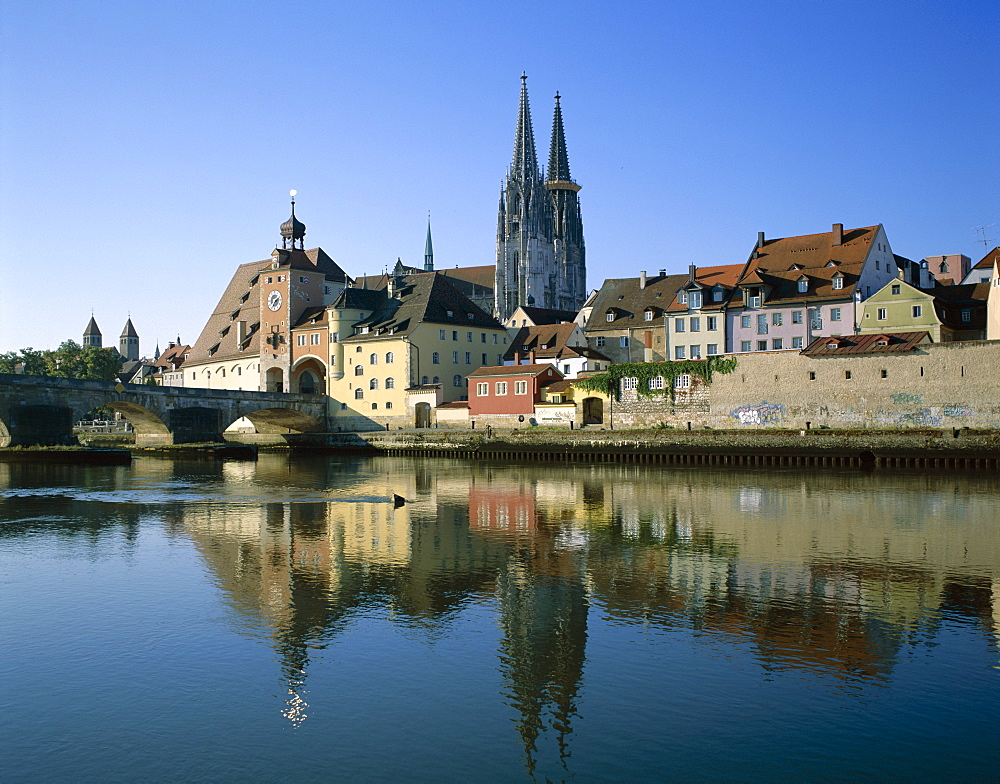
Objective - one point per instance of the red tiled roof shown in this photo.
(514, 370)
(897, 342)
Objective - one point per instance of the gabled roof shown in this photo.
(849, 345)
(426, 297)
(708, 279)
(784, 284)
(172, 358)
(539, 316)
(624, 298)
(816, 250)
(987, 261)
(950, 301)
(515, 370)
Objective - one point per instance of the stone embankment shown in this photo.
(913, 448)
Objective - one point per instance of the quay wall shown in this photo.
(941, 385)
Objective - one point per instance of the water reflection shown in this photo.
(836, 574)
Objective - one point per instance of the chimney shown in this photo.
(642, 279)
(837, 235)
(663, 273)
(692, 270)
(390, 286)
(760, 239)
(531, 357)
(517, 357)
(241, 332)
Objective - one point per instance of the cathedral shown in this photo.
(540, 252)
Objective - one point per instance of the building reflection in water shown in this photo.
(834, 573)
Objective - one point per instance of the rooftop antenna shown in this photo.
(982, 233)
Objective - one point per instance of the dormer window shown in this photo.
(648, 315)
(682, 298)
(831, 263)
(803, 284)
(838, 282)
(717, 293)
(451, 314)
(754, 300)
(694, 300)
(882, 342)
(609, 317)
(832, 344)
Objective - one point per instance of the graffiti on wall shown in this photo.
(762, 413)
(901, 398)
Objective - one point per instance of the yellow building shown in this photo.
(956, 312)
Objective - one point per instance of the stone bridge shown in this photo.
(43, 409)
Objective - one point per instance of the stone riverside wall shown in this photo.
(942, 385)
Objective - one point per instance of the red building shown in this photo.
(511, 389)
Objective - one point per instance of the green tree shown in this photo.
(70, 360)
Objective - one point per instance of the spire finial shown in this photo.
(428, 247)
(293, 230)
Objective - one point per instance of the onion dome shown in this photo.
(292, 230)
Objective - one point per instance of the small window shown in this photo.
(679, 325)
(442, 334)
(796, 316)
(373, 359)
(762, 345)
(713, 349)
(456, 381)
(520, 387)
(482, 389)
(454, 357)
(966, 315)
(755, 301)
(838, 282)
(695, 324)
(501, 387)
(468, 337)
(882, 314)
(373, 384)
(359, 370)
(776, 344)
(436, 380)
(918, 311)
(482, 337)
(648, 315)
(468, 358)
(834, 314)
(776, 319)
(629, 383)
(804, 285)
(679, 352)
(390, 383)
(300, 340)
(623, 341)
(812, 375)
(744, 345)
(847, 374)
(388, 405)
(682, 298)
(424, 380)
(695, 352)
(694, 300)
(388, 357)
(895, 289)
(683, 381)
(656, 382)
(712, 323)
(796, 342)
(745, 322)
(454, 335)
(884, 373)
(609, 317)
(600, 342)
(359, 394)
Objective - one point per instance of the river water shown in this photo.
(284, 621)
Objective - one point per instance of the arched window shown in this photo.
(374, 406)
(388, 357)
(423, 379)
(373, 384)
(388, 405)
(373, 359)
(456, 381)
(436, 358)
(390, 383)
(359, 394)
(222, 372)
(359, 370)
(436, 380)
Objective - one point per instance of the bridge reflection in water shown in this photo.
(836, 576)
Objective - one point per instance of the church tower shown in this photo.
(540, 257)
(128, 342)
(92, 335)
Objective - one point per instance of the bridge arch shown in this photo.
(282, 421)
(309, 376)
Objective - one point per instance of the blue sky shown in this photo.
(148, 149)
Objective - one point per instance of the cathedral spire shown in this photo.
(558, 159)
(428, 249)
(525, 164)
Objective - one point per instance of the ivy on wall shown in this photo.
(609, 382)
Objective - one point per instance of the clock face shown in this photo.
(274, 300)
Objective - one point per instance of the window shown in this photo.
(424, 380)
(796, 316)
(762, 345)
(334, 337)
(776, 319)
(895, 289)
(745, 322)
(761, 323)
(656, 382)
(679, 352)
(796, 342)
(884, 373)
(918, 311)
(776, 344)
(374, 406)
(713, 349)
(499, 359)
(390, 383)
(623, 341)
(834, 314)
(482, 389)
(695, 352)
(966, 315)
(847, 374)
(373, 359)
(468, 337)
(456, 381)
(838, 282)
(696, 325)
(712, 323)
(882, 314)
(717, 295)
(435, 358)
(468, 358)
(359, 394)
(482, 337)
(454, 357)
(388, 357)
(683, 381)
(485, 360)
(812, 375)
(566, 369)
(682, 297)
(804, 285)
(679, 325)
(314, 339)
(436, 380)
(359, 370)
(501, 387)
(442, 334)
(755, 301)
(600, 342)
(630, 382)
(495, 336)
(744, 345)
(520, 387)
(451, 314)
(454, 335)
(373, 384)
(300, 340)
(648, 315)
(609, 317)
(694, 300)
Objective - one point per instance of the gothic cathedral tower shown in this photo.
(540, 251)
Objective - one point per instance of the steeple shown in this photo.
(92, 335)
(428, 249)
(128, 341)
(293, 230)
(558, 159)
(525, 164)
